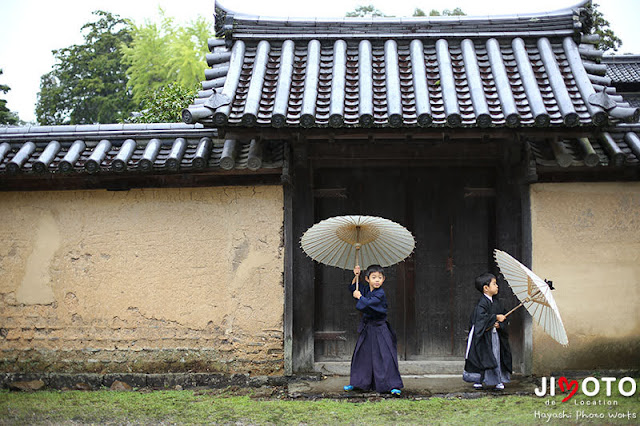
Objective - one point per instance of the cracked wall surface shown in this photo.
(586, 239)
(153, 280)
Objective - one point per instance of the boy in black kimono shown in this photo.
(374, 364)
(488, 357)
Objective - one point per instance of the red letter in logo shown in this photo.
(566, 385)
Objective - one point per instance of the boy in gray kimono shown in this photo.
(488, 356)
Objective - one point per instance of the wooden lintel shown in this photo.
(408, 155)
(407, 134)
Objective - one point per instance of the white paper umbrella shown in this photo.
(534, 294)
(347, 241)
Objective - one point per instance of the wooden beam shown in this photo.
(303, 269)
(290, 247)
(509, 226)
(408, 155)
(526, 257)
(126, 180)
(417, 133)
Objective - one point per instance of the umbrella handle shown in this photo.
(357, 253)
(516, 308)
(513, 310)
(509, 313)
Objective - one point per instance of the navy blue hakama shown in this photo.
(374, 365)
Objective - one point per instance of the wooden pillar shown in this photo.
(513, 235)
(289, 248)
(524, 185)
(303, 280)
(527, 259)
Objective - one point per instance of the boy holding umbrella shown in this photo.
(374, 364)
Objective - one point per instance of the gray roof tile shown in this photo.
(632, 98)
(108, 149)
(623, 68)
(245, 25)
(451, 79)
(547, 80)
(619, 147)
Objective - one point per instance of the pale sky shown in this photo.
(31, 29)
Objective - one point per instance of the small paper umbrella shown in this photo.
(347, 241)
(534, 294)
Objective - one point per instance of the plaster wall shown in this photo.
(586, 239)
(153, 280)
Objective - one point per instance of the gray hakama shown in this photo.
(496, 375)
(488, 355)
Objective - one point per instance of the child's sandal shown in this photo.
(348, 388)
(395, 392)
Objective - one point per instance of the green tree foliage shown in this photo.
(165, 104)
(166, 53)
(88, 83)
(446, 12)
(365, 11)
(370, 10)
(6, 116)
(594, 23)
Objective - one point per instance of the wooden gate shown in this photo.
(451, 212)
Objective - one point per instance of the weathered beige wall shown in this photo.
(586, 238)
(144, 280)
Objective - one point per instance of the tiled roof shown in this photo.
(513, 71)
(617, 148)
(246, 26)
(623, 68)
(133, 148)
(632, 98)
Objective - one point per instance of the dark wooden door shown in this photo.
(431, 293)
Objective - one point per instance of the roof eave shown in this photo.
(228, 22)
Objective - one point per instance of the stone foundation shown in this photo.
(90, 381)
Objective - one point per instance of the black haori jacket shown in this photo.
(480, 356)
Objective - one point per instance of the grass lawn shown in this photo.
(224, 407)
